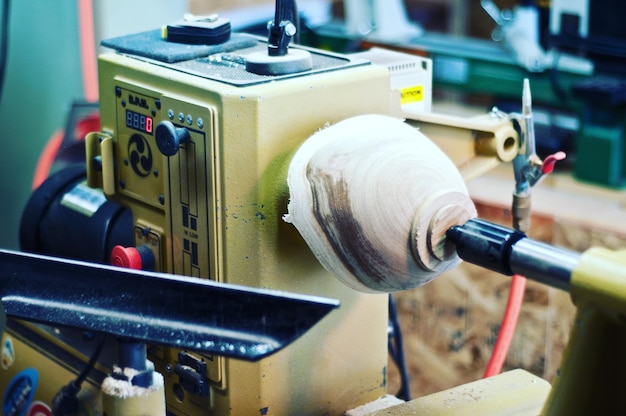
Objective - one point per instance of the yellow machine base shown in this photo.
(515, 392)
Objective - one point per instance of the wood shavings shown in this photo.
(124, 388)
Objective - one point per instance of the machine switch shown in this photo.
(137, 258)
(192, 374)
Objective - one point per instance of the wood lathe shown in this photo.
(312, 173)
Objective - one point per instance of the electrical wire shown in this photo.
(507, 327)
(88, 50)
(396, 351)
(4, 43)
(46, 158)
(65, 402)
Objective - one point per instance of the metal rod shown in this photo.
(133, 354)
(544, 263)
(509, 252)
(179, 311)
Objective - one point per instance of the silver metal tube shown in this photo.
(508, 251)
(542, 262)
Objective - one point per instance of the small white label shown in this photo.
(84, 199)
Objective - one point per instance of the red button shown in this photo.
(128, 257)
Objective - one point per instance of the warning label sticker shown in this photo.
(412, 94)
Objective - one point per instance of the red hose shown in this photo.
(507, 328)
(90, 87)
(88, 50)
(46, 158)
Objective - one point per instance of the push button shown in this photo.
(137, 258)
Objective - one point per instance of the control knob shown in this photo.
(169, 137)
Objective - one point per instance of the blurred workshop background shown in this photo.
(42, 70)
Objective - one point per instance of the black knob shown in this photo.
(169, 137)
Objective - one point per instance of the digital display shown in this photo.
(138, 122)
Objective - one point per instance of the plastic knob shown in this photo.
(169, 137)
(550, 161)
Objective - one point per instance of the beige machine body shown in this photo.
(214, 210)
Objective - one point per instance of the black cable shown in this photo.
(396, 351)
(65, 402)
(4, 43)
